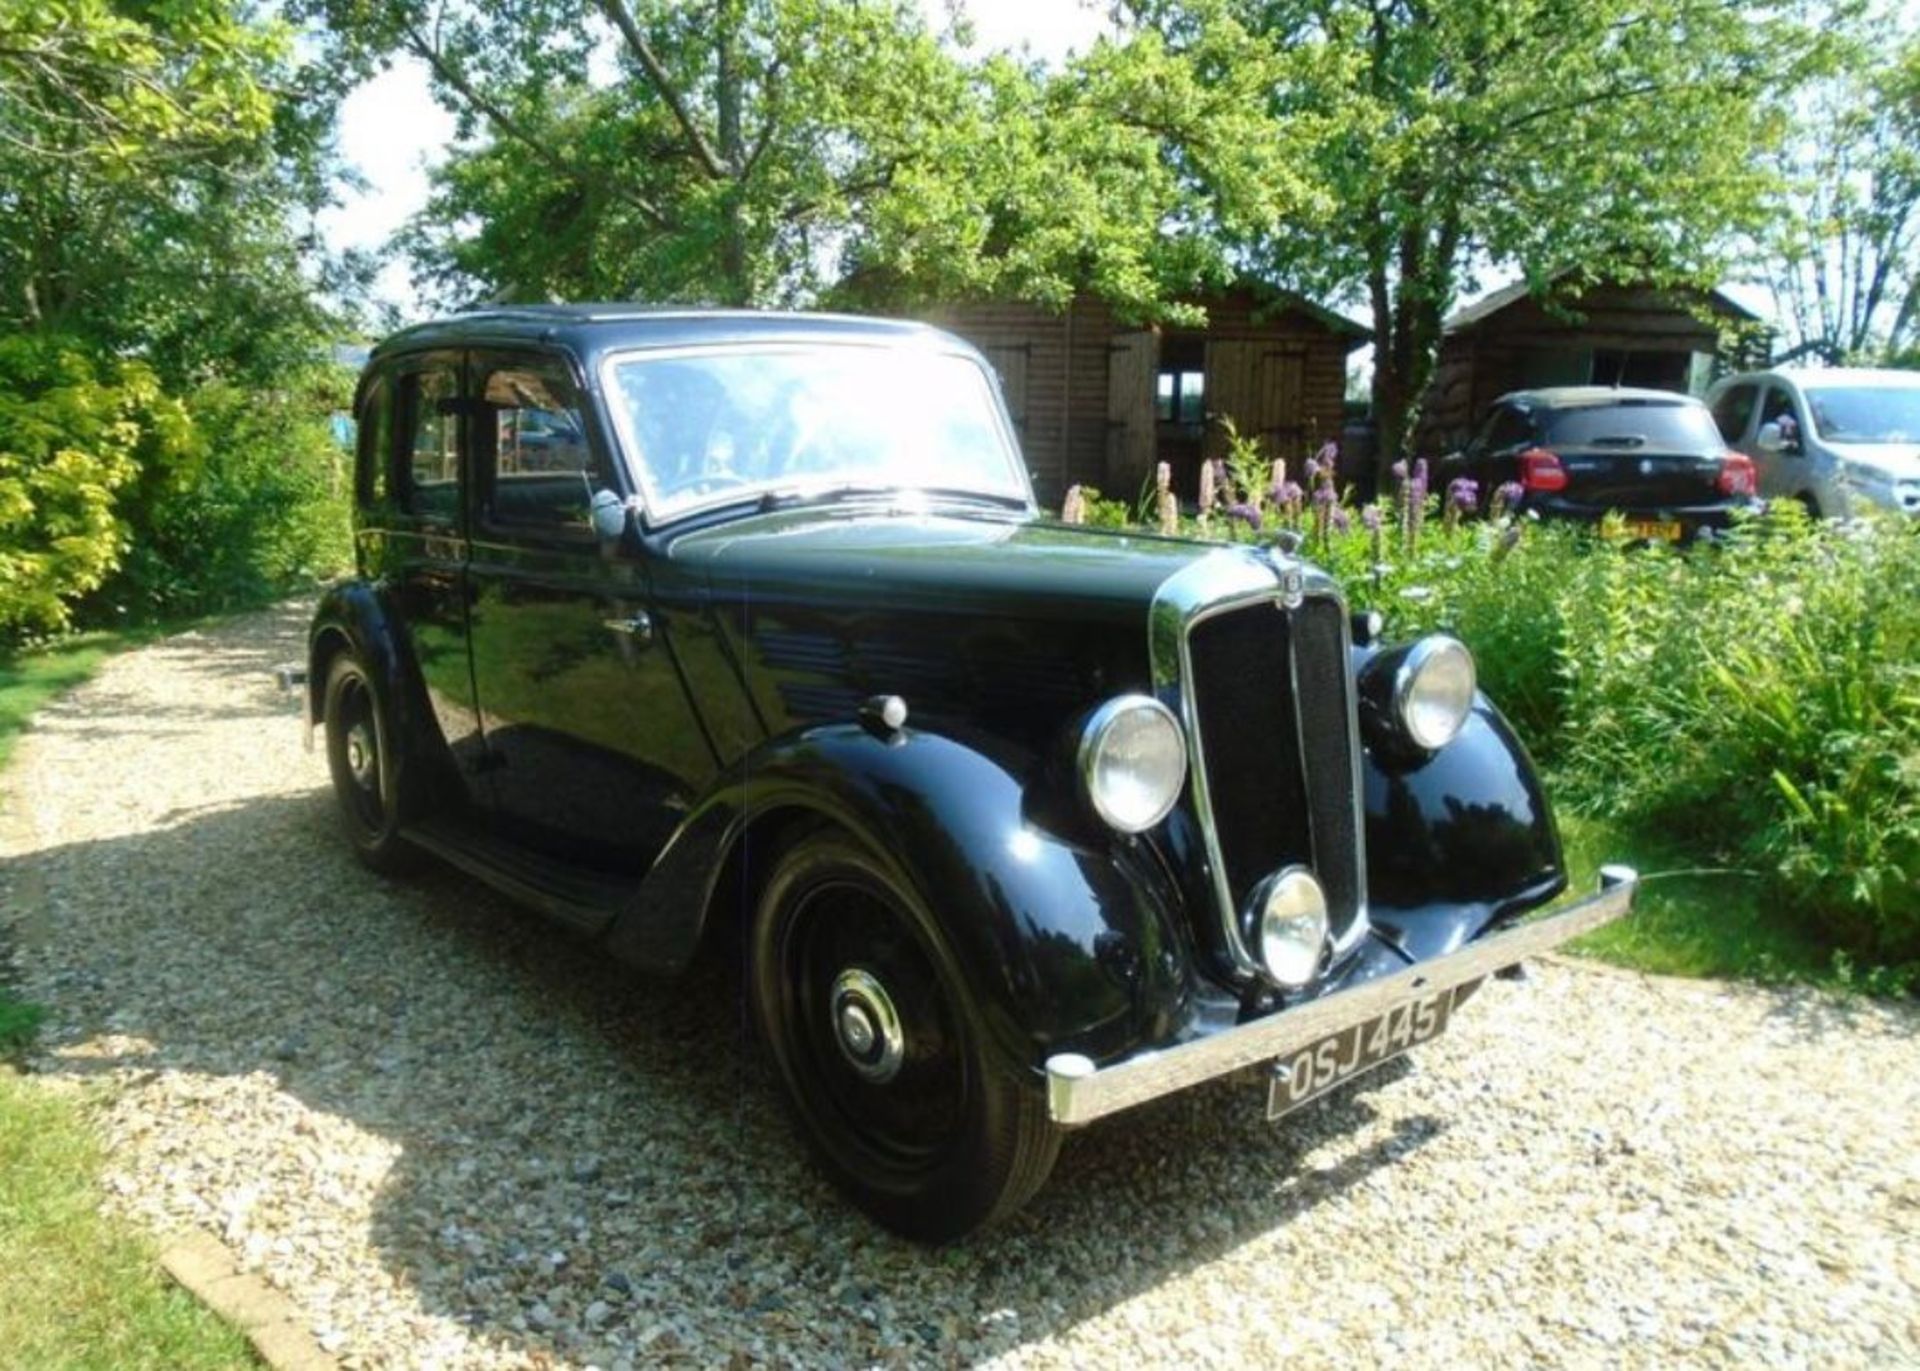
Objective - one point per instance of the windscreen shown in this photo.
(1866, 414)
(1655, 426)
(710, 426)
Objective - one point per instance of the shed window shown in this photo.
(1180, 397)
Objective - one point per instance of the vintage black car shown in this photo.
(1014, 824)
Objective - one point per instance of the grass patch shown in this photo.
(76, 1289)
(18, 1023)
(1695, 922)
(28, 679)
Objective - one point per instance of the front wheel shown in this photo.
(878, 1046)
(360, 755)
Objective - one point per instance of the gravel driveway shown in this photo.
(458, 1137)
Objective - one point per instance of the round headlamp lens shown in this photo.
(1133, 762)
(1293, 927)
(1433, 693)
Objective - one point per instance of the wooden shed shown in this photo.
(1098, 401)
(1608, 334)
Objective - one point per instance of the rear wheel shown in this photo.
(877, 1044)
(361, 758)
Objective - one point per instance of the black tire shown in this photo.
(949, 1141)
(363, 759)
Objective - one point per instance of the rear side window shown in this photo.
(1778, 409)
(1633, 425)
(430, 457)
(1732, 411)
(1506, 428)
(376, 442)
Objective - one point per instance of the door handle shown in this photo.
(639, 627)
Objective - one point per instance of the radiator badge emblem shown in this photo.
(1293, 582)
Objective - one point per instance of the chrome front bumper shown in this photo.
(1079, 1092)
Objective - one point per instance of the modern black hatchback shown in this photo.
(1581, 452)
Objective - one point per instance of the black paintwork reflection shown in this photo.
(425, 575)
(1066, 946)
(595, 756)
(1458, 839)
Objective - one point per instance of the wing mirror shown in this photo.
(1776, 437)
(609, 515)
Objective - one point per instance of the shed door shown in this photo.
(1131, 360)
(1010, 362)
(1262, 388)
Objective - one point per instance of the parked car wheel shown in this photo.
(877, 1044)
(365, 777)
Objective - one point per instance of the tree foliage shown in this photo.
(155, 164)
(812, 151)
(72, 436)
(152, 160)
(1591, 137)
(1844, 248)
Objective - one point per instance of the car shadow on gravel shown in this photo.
(596, 1165)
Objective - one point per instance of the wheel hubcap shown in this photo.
(360, 754)
(866, 1025)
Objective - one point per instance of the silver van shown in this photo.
(1834, 438)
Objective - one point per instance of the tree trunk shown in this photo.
(1408, 317)
(728, 100)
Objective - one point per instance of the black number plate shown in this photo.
(1337, 1058)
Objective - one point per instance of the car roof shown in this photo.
(1816, 377)
(1578, 397)
(592, 330)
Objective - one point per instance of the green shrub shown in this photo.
(1754, 701)
(73, 435)
(255, 505)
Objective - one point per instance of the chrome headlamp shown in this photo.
(1132, 761)
(1433, 689)
(1287, 926)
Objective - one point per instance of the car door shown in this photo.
(417, 543)
(1784, 470)
(595, 754)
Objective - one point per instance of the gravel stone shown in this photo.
(456, 1136)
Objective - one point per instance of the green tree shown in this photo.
(156, 163)
(1844, 251)
(1597, 137)
(154, 160)
(72, 436)
(808, 151)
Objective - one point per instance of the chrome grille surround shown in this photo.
(1220, 581)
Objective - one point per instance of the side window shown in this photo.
(430, 458)
(1732, 411)
(533, 438)
(1506, 428)
(375, 460)
(1778, 409)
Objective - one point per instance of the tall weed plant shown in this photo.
(1754, 698)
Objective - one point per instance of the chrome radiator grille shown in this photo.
(1271, 701)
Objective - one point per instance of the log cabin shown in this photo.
(1098, 400)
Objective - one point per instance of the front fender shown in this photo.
(1066, 943)
(1457, 839)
